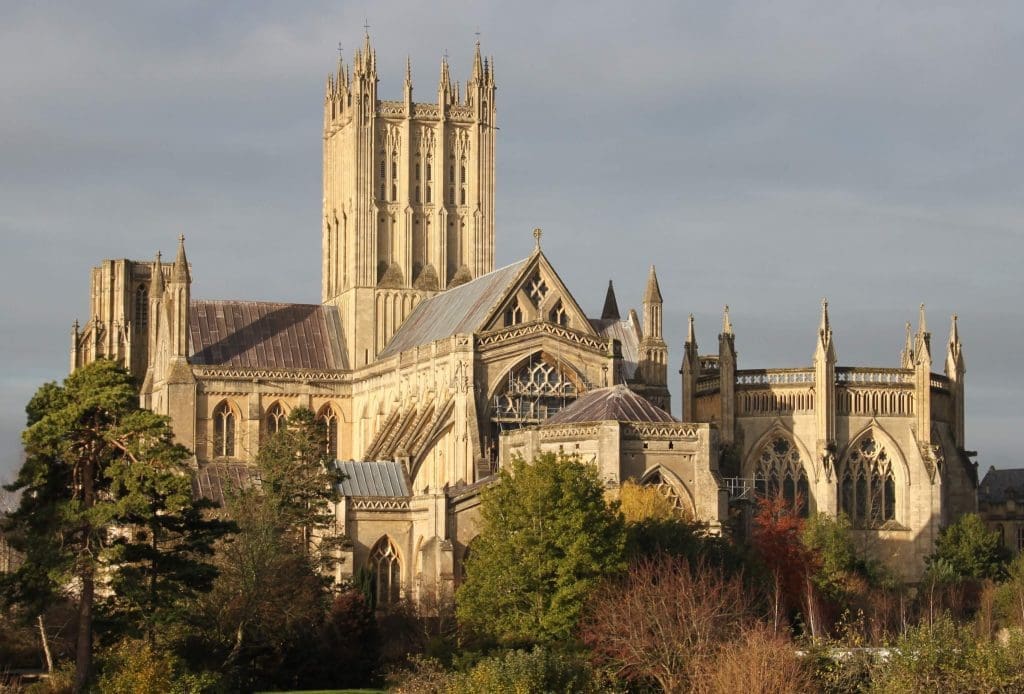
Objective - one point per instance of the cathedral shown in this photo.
(431, 368)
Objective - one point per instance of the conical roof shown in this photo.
(616, 403)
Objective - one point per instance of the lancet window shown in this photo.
(558, 314)
(142, 304)
(330, 420)
(387, 572)
(275, 419)
(780, 471)
(223, 431)
(867, 488)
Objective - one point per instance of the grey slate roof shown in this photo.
(616, 403)
(1000, 485)
(623, 331)
(458, 310)
(256, 334)
(363, 478)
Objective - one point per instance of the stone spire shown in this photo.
(826, 348)
(955, 371)
(180, 271)
(156, 287)
(690, 372)
(691, 338)
(726, 322)
(478, 67)
(652, 294)
(611, 306)
(907, 355)
(825, 390)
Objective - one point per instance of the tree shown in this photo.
(640, 503)
(776, 539)
(92, 461)
(665, 621)
(297, 481)
(547, 539)
(971, 549)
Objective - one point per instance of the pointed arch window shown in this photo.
(558, 314)
(142, 305)
(387, 572)
(667, 489)
(330, 420)
(779, 470)
(867, 487)
(223, 431)
(275, 419)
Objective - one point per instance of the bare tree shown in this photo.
(665, 621)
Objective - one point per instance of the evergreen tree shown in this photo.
(547, 539)
(88, 485)
(971, 549)
(301, 484)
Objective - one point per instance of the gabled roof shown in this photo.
(615, 403)
(1000, 485)
(256, 334)
(462, 309)
(363, 479)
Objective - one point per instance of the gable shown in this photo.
(538, 294)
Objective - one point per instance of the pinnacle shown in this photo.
(611, 306)
(652, 295)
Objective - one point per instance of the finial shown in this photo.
(726, 322)
(954, 333)
(690, 335)
(536, 235)
(366, 27)
(477, 35)
(922, 324)
(825, 327)
(74, 327)
(408, 68)
(339, 51)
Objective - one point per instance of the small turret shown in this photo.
(907, 354)
(690, 372)
(955, 370)
(825, 389)
(653, 350)
(727, 380)
(178, 299)
(611, 306)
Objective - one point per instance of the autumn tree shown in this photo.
(547, 539)
(102, 477)
(665, 621)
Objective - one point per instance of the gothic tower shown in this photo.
(408, 195)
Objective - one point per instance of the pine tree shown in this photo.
(98, 471)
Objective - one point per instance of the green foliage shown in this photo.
(267, 603)
(640, 503)
(971, 549)
(523, 672)
(547, 539)
(1010, 595)
(137, 667)
(947, 657)
(297, 481)
(105, 489)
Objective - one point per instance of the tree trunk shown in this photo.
(83, 650)
(46, 644)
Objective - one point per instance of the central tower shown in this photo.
(408, 195)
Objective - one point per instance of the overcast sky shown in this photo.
(761, 154)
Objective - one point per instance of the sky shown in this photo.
(761, 154)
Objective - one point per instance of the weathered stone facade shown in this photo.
(422, 354)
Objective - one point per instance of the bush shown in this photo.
(947, 657)
(521, 672)
(136, 667)
(758, 662)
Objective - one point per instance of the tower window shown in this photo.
(394, 192)
(428, 194)
(142, 304)
(462, 174)
(417, 172)
(429, 170)
(394, 166)
(383, 171)
(383, 190)
(451, 174)
(417, 194)
(451, 196)
(462, 197)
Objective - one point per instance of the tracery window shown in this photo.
(275, 418)
(558, 315)
(330, 420)
(142, 305)
(667, 489)
(534, 392)
(223, 431)
(779, 470)
(387, 572)
(867, 488)
(514, 315)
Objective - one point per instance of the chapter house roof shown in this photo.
(616, 403)
(626, 333)
(462, 309)
(256, 334)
